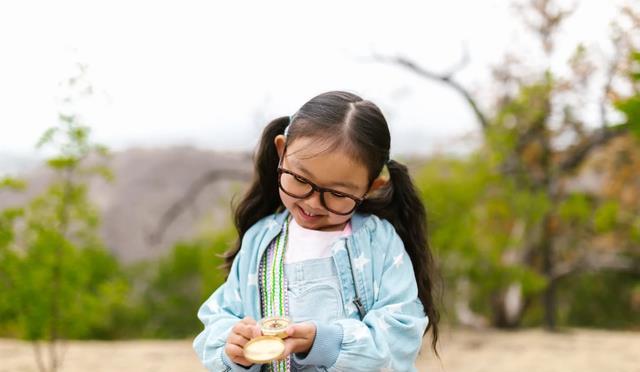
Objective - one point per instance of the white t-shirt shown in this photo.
(306, 244)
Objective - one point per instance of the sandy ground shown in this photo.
(460, 350)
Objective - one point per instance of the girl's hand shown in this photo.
(240, 334)
(300, 338)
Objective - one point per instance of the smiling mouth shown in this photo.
(309, 214)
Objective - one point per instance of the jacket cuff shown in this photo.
(326, 346)
(237, 367)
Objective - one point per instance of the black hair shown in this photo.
(358, 127)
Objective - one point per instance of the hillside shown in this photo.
(147, 182)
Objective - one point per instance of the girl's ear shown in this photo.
(280, 141)
(379, 182)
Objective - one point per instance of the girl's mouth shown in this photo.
(309, 217)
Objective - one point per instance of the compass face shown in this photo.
(263, 349)
(274, 326)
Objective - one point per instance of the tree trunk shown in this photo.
(549, 295)
(508, 307)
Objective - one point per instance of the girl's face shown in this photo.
(332, 169)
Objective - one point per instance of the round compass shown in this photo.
(275, 326)
(264, 349)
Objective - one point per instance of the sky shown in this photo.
(211, 74)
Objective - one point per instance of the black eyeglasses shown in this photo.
(299, 187)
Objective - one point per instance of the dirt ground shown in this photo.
(460, 350)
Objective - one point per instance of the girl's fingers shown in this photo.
(233, 351)
(236, 354)
(291, 330)
(237, 339)
(300, 338)
(293, 345)
(243, 329)
(253, 326)
(248, 320)
(256, 331)
(302, 330)
(240, 334)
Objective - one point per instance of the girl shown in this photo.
(325, 239)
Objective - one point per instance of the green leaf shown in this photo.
(631, 110)
(62, 162)
(67, 118)
(79, 134)
(47, 137)
(101, 170)
(605, 216)
(575, 209)
(13, 184)
(102, 150)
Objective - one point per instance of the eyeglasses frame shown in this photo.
(319, 189)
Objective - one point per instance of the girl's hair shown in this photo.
(342, 120)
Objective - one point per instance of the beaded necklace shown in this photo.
(273, 287)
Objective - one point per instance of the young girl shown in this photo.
(328, 241)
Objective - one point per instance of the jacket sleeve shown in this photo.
(390, 335)
(219, 313)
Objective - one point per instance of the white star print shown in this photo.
(252, 279)
(238, 298)
(360, 261)
(361, 332)
(398, 260)
(273, 224)
(213, 306)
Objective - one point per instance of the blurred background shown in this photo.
(128, 130)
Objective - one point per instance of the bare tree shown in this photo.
(549, 164)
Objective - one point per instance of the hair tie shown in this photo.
(286, 130)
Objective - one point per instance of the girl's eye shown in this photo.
(300, 180)
(338, 195)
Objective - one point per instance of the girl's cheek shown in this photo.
(283, 197)
(288, 201)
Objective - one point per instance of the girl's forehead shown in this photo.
(328, 167)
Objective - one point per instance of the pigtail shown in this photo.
(262, 197)
(400, 204)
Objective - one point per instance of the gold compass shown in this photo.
(275, 326)
(264, 349)
(269, 346)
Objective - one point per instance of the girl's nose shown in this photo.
(313, 202)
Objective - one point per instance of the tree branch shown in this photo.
(610, 75)
(598, 138)
(595, 262)
(180, 205)
(446, 79)
(38, 356)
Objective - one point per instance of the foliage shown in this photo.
(180, 282)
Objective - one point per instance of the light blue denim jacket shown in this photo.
(389, 336)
